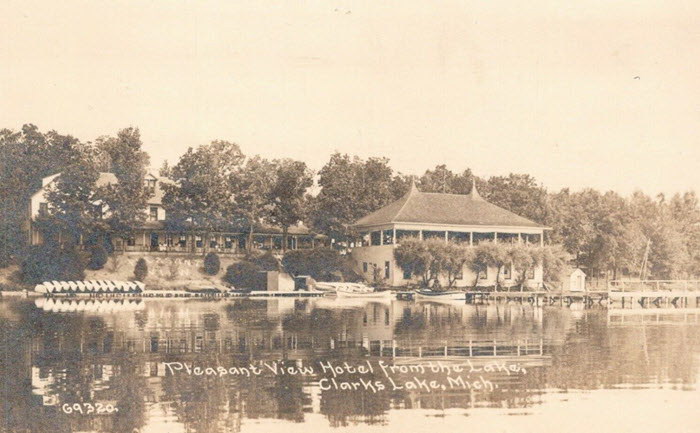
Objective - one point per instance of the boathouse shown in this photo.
(464, 218)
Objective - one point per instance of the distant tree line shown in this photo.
(215, 187)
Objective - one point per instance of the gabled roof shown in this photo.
(447, 209)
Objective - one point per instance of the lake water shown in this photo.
(288, 365)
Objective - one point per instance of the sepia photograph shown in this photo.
(238, 216)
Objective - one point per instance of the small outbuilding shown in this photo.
(574, 280)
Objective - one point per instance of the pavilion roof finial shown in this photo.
(413, 187)
(474, 193)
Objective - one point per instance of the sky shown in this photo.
(595, 94)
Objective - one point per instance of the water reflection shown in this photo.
(58, 353)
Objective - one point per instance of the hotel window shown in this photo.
(228, 242)
(169, 240)
(43, 208)
(182, 242)
(151, 183)
(153, 213)
(364, 267)
(376, 238)
(213, 243)
(507, 272)
(198, 242)
(131, 241)
(387, 269)
(97, 209)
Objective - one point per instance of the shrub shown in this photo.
(46, 263)
(266, 261)
(243, 275)
(98, 257)
(323, 264)
(141, 269)
(212, 264)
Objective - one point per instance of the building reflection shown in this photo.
(79, 354)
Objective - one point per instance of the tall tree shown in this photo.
(254, 187)
(126, 199)
(202, 197)
(350, 189)
(26, 157)
(288, 195)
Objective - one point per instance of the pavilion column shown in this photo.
(520, 240)
(495, 237)
(471, 239)
(541, 239)
(446, 238)
(393, 236)
(420, 234)
(381, 237)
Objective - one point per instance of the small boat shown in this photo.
(91, 286)
(431, 295)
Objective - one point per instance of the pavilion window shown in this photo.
(430, 234)
(507, 238)
(531, 274)
(402, 234)
(388, 236)
(228, 242)
(364, 267)
(482, 237)
(460, 274)
(43, 208)
(483, 274)
(458, 237)
(375, 238)
(277, 242)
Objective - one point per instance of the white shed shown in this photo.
(574, 280)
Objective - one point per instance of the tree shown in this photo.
(243, 275)
(51, 262)
(74, 206)
(523, 258)
(287, 195)
(126, 199)
(519, 193)
(455, 257)
(420, 257)
(351, 188)
(202, 197)
(488, 255)
(443, 180)
(253, 189)
(141, 269)
(554, 260)
(26, 157)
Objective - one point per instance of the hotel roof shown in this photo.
(417, 207)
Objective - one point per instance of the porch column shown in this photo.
(542, 239)
(145, 245)
(381, 237)
(520, 240)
